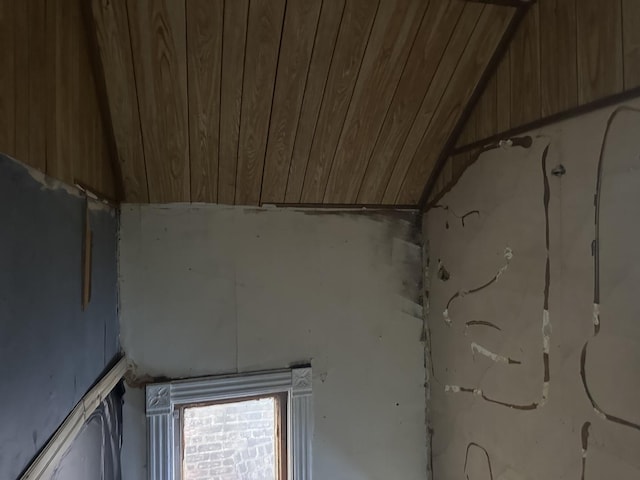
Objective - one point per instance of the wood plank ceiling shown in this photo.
(288, 101)
(565, 56)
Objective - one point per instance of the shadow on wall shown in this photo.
(584, 424)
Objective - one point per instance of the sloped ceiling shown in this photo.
(288, 101)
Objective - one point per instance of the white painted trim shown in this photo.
(165, 399)
(51, 454)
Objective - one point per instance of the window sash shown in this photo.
(164, 401)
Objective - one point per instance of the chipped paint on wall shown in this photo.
(547, 218)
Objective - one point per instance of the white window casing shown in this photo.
(165, 399)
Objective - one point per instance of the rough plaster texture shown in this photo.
(50, 351)
(475, 432)
(208, 290)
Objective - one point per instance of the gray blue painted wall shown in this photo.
(50, 351)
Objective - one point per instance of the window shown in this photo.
(257, 426)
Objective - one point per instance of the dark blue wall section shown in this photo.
(50, 351)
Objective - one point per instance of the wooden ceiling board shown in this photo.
(392, 36)
(525, 69)
(487, 35)
(631, 43)
(443, 77)
(158, 39)
(558, 65)
(286, 101)
(300, 26)
(261, 60)
(204, 60)
(111, 27)
(347, 59)
(324, 45)
(432, 38)
(7, 77)
(600, 59)
(234, 39)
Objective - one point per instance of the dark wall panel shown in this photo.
(50, 351)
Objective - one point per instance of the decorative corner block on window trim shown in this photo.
(163, 401)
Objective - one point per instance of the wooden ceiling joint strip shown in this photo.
(503, 99)
(264, 32)
(234, 39)
(347, 60)
(464, 32)
(551, 119)
(331, 14)
(204, 59)
(498, 52)
(158, 40)
(300, 28)
(433, 37)
(393, 34)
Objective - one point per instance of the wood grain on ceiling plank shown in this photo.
(331, 14)
(460, 40)
(558, 64)
(111, 30)
(600, 71)
(432, 38)
(525, 50)
(158, 39)
(589, 53)
(261, 60)
(631, 43)
(204, 59)
(490, 29)
(234, 39)
(293, 101)
(298, 36)
(352, 40)
(391, 39)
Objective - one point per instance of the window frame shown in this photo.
(164, 402)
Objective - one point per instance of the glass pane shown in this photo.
(230, 441)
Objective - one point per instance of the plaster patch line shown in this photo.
(486, 454)
(483, 323)
(477, 348)
(585, 447)
(596, 280)
(508, 255)
(546, 322)
(459, 217)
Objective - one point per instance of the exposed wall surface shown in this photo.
(50, 351)
(534, 351)
(207, 290)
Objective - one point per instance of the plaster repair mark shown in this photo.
(443, 273)
(546, 323)
(596, 283)
(459, 217)
(585, 447)
(508, 255)
(476, 348)
(486, 454)
(483, 323)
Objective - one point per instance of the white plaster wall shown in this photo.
(208, 290)
(506, 187)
